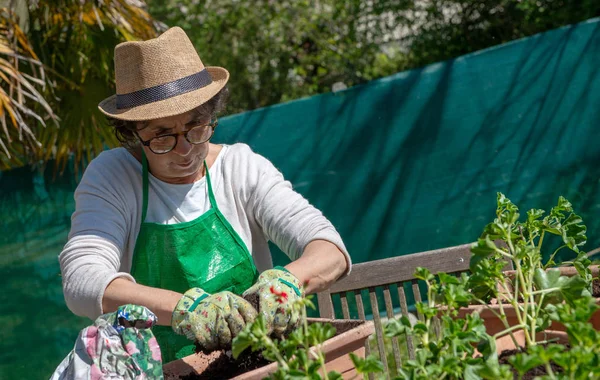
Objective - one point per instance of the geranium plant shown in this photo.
(449, 347)
(538, 293)
(533, 285)
(299, 355)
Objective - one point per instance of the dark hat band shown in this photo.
(165, 90)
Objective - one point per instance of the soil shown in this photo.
(253, 299)
(225, 367)
(596, 288)
(532, 373)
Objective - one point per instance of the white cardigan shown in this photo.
(250, 192)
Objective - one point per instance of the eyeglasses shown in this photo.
(165, 143)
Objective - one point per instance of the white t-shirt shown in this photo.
(250, 192)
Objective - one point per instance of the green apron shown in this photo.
(205, 252)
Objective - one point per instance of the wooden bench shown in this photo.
(387, 274)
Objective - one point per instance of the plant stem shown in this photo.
(549, 371)
(552, 256)
(545, 291)
(501, 316)
(524, 289)
(270, 345)
(507, 331)
(539, 246)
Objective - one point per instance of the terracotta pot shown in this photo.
(494, 325)
(351, 337)
(506, 343)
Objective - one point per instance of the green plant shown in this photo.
(539, 295)
(533, 286)
(445, 345)
(448, 347)
(298, 355)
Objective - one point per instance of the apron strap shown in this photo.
(211, 195)
(144, 186)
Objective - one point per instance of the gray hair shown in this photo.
(125, 129)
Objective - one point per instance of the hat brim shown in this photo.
(168, 107)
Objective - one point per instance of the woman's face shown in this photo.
(184, 163)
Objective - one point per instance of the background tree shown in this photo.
(56, 55)
(282, 50)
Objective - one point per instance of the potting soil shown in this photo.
(596, 288)
(226, 367)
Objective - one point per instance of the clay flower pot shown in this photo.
(505, 343)
(494, 325)
(351, 336)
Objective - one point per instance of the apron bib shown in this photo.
(205, 252)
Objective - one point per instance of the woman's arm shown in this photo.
(160, 301)
(320, 265)
(299, 229)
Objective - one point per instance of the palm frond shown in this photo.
(17, 89)
(58, 71)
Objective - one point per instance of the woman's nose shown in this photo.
(183, 146)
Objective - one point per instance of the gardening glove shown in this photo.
(276, 290)
(212, 321)
(118, 345)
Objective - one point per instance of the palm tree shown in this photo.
(55, 66)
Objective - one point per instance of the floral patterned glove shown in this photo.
(211, 320)
(276, 290)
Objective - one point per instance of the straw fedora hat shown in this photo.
(160, 77)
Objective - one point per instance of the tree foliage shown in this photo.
(56, 55)
(282, 50)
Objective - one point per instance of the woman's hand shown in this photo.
(275, 291)
(211, 320)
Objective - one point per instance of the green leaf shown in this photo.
(447, 279)
(240, 344)
(573, 232)
(523, 362)
(546, 354)
(426, 310)
(472, 372)
(487, 346)
(548, 279)
(319, 333)
(332, 375)
(481, 248)
(420, 327)
(534, 214)
(423, 274)
(370, 364)
(394, 328)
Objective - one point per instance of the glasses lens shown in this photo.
(199, 134)
(162, 144)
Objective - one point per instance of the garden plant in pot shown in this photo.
(454, 344)
(318, 348)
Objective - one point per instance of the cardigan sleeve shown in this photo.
(284, 215)
(100, 226)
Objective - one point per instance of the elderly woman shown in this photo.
(180, 225)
